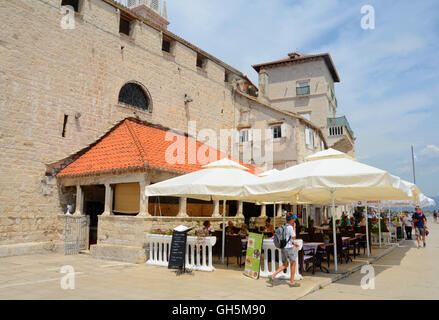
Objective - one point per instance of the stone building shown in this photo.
(102, 75)
(304, 84)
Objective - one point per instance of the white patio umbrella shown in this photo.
(266, 174)
(220, 180)
(333, 177)
(422, 201)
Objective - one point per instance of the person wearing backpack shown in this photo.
(283, 239)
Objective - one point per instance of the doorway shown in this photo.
(94, 205)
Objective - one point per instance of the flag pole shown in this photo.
(413, 164)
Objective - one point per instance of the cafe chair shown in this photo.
(233, 248)
(309, 258)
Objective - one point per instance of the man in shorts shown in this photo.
(420, 222)
(289, 253)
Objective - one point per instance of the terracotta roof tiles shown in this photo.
(135, 145)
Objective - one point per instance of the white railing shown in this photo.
(385, 238)
(268, 246)
(198, 251)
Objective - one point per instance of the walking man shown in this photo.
(435, 216)
(289, 254)
(420, 222)
(408, 226)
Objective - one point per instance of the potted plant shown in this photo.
(326, 239)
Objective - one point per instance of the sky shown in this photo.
(389, 87)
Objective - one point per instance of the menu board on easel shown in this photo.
(178, 250)
(253, 255)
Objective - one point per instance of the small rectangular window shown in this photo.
(201, 61)
(167, 45)
(66, 117)
(302, 88)
(244, 116)
(244, 135)
(125, 25)
(309, 138)
(226, 76)
(277, 132)
(73, 3)
(306, 115)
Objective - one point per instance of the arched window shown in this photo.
(135, 95)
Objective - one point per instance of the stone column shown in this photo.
(216, 213)
(239, 211)
(143, 208)
(263, 210)
(79, 210)
(182, 207)
(279, 210)
(108, 209)
(308, 214)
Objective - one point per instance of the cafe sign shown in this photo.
(253, 256)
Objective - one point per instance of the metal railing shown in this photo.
(336, 126)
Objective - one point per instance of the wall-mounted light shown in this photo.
(187, 98)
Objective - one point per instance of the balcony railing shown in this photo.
(300, 91)
(338, 125)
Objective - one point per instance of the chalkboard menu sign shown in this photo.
(178, 250)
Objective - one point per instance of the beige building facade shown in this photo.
(304, 84)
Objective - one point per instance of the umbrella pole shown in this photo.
(334, 231)
(379, 221)
(367, 231)
(224, 230)
(274, 216)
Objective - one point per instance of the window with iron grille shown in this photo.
(131, 3)
(155, 5)
(134, 95)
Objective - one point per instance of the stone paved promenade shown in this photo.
(405, 272)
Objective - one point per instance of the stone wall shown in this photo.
(123, 238)
(48, 73)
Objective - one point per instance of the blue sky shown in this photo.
(389, 87)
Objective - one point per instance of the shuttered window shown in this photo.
(127, 198)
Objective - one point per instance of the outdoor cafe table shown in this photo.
(324, 246)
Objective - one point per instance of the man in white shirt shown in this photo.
(408, 226)
(289, 254)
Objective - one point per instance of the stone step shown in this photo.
(87, 252)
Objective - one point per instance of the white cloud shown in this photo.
(430, 150)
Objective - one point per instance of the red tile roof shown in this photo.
(137, 145)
